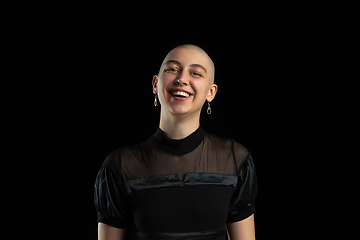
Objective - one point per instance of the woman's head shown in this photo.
(185, 80)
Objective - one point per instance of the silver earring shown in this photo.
(208, 109)
(155, 101)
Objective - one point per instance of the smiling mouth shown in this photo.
(179, 94)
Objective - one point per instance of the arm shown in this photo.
(106, 232)
(242, 230)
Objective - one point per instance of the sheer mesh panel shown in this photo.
(213, 155)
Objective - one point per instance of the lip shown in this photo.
(179, 98)
(179, 89)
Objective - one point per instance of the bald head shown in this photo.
(210, 65)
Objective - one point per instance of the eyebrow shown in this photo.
(192, 65)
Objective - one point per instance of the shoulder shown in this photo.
(220, 141)
(238, 150)
(227, 142)
(116, 160)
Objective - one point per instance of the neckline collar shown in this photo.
(179, 146)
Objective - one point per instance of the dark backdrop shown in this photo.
(75, 93)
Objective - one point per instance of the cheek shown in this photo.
(163, 82)
(165, 79)
(201, 90)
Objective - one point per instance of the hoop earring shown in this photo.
(208, 111)
(155, 101)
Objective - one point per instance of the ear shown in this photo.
(154, 83)
(212, 92)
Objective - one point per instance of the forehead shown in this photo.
(187, 57)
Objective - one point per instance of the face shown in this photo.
(183, 83)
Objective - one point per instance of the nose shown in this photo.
(182, 79)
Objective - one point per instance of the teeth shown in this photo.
(180, 93)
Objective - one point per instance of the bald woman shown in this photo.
(182, 182)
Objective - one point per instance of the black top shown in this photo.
(176, 189)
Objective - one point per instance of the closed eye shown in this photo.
(171, 70)
(197, 74)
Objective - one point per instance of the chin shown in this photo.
(182, 107)
(179, 111)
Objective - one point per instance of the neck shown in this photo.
(179, 126)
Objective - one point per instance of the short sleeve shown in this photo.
(110, 198)
(243, 199)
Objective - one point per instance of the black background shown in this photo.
(78, 90)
